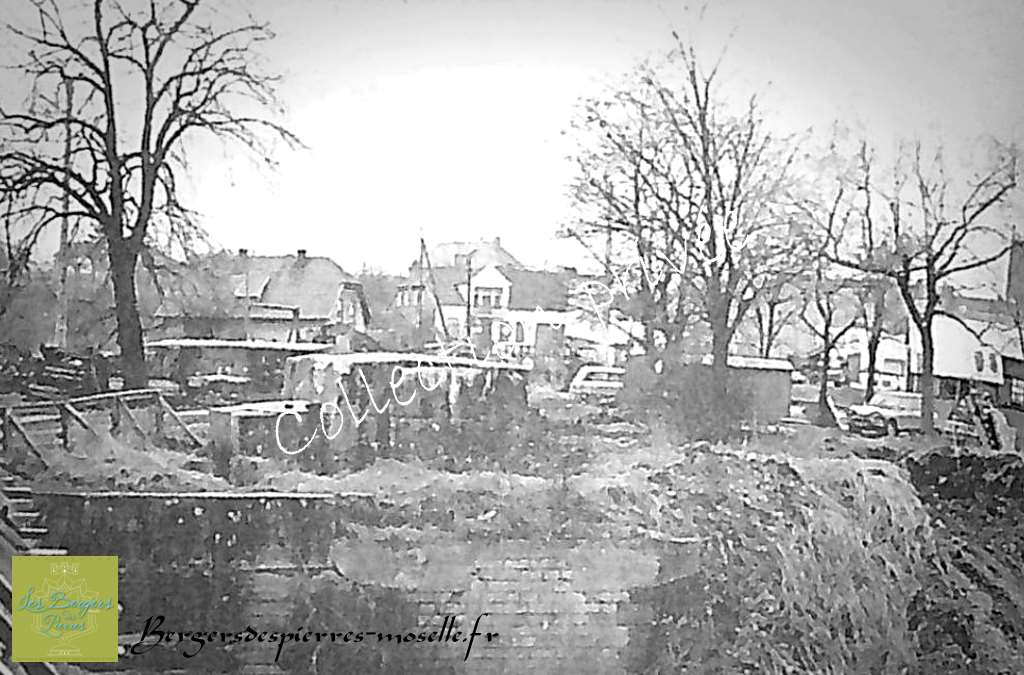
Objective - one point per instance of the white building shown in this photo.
(964, 356)
(890, 359)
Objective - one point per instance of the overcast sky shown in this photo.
(444, 117)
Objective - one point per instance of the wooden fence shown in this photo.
(43, 424)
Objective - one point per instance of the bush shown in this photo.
(801, 567)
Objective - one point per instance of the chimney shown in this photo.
(497, 241)
(1015, 274)
(243, 252)
(301, 253)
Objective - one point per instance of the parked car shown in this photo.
(596, 382)
(888, 412)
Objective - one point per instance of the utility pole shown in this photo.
(433, 288)
(61, 329)
(608, 273)
(419, 292)
(469, 296)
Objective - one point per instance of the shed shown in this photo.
(769, 382)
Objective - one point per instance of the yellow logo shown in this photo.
(64, 609)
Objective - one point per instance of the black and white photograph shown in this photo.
(511, 336)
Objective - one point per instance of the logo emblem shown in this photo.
(64, 609)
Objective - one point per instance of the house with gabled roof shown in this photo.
(505, 303)
(504, 307)
(283, 298)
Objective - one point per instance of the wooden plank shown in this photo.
(79, 418)
(132, 394)
(6, 629)
(65, 431)
(6, 592)
(174, 415)
(115, 418)
(6, 431)
(13, 537)
(40, 668)
(132, 419)
(13, 423)
(105, 397)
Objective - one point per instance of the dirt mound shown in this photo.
(105, 463)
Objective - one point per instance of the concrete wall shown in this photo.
(558, 606)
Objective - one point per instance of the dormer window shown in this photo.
(487, 298)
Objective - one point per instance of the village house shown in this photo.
(978, 348)
(289, 298)
(481, 292)
(891, 365)
(964, 357)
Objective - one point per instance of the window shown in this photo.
(348, 311)
(993, 365)
(892, 366)
(520, 332)
(979, 361)
(1017, 392)
(485, 297)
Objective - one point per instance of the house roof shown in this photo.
(343, 363)
(211, 343)
(536, 289)
(753, 363)
(308, 282)
(530, 289)
(447, 280)
(485, 252)
(1003, 338)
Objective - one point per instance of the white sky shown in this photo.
(445, 116)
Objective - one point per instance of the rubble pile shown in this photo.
(971, 615)
(54, 374)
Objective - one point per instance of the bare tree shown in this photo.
(19, 240)
(930, 230)
(697, 201)
(872, 295)
(828, 314)
(148, 78)
(778, 308)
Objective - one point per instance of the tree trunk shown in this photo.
(874, 338)
(720, 379)
(129, 327)
(767, 337)
(927, 378)
(825, 418)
